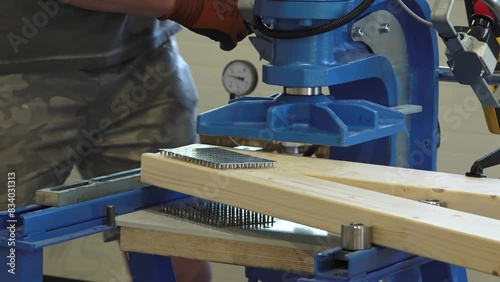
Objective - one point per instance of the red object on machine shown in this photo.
(481, 8)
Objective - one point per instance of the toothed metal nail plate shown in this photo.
(217, 158)
(217, 214)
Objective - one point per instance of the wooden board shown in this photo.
(443, 234)
(286, 246)
(479, 196)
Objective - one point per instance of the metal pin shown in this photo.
(113, 234)
(357, 32)
(111, 215)
(384, 28)
(356, 236)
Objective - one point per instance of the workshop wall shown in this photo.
(464, 132)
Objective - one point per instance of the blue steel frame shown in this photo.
(372, 265)
(422, 128)
(326, 60)
(352, 73)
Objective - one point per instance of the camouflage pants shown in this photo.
(99, 121)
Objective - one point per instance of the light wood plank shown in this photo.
(443, 234)
(216, 250)
(472, 195)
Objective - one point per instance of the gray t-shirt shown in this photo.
(39, 35)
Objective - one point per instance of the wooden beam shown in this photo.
(216, 250)
(438, 233)
(276, 248)
(479, 196)
(473, 195)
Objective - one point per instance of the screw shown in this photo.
(384, 28)
(357, 32)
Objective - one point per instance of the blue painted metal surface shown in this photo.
(436, 271)
(27, 266)
(424, 72)
(315, 61)
(42, 227)
(150, 268)
(372, 265)
(308, 119)
(378, 264)
(351, 72)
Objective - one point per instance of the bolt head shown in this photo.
(357, 32)
(384, 28)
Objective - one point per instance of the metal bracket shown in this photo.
(382, 32)
(442, 23)
(490, 160)
(384, 35)
(86, 190)
(465, 53)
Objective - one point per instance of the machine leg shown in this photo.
(22, 266)
(150, 268)
(436, 271)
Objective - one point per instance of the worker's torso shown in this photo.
(45, 34)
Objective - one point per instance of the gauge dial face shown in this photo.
(240, 78)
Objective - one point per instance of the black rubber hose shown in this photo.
(294, 34)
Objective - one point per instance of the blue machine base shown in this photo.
(317, 120)
(372, 265)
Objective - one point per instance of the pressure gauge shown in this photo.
(239, 78)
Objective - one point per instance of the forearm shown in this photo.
(218, 20)
(148, 8)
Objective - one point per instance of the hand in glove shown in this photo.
(218, 20)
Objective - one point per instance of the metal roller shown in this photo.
(356, 237)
